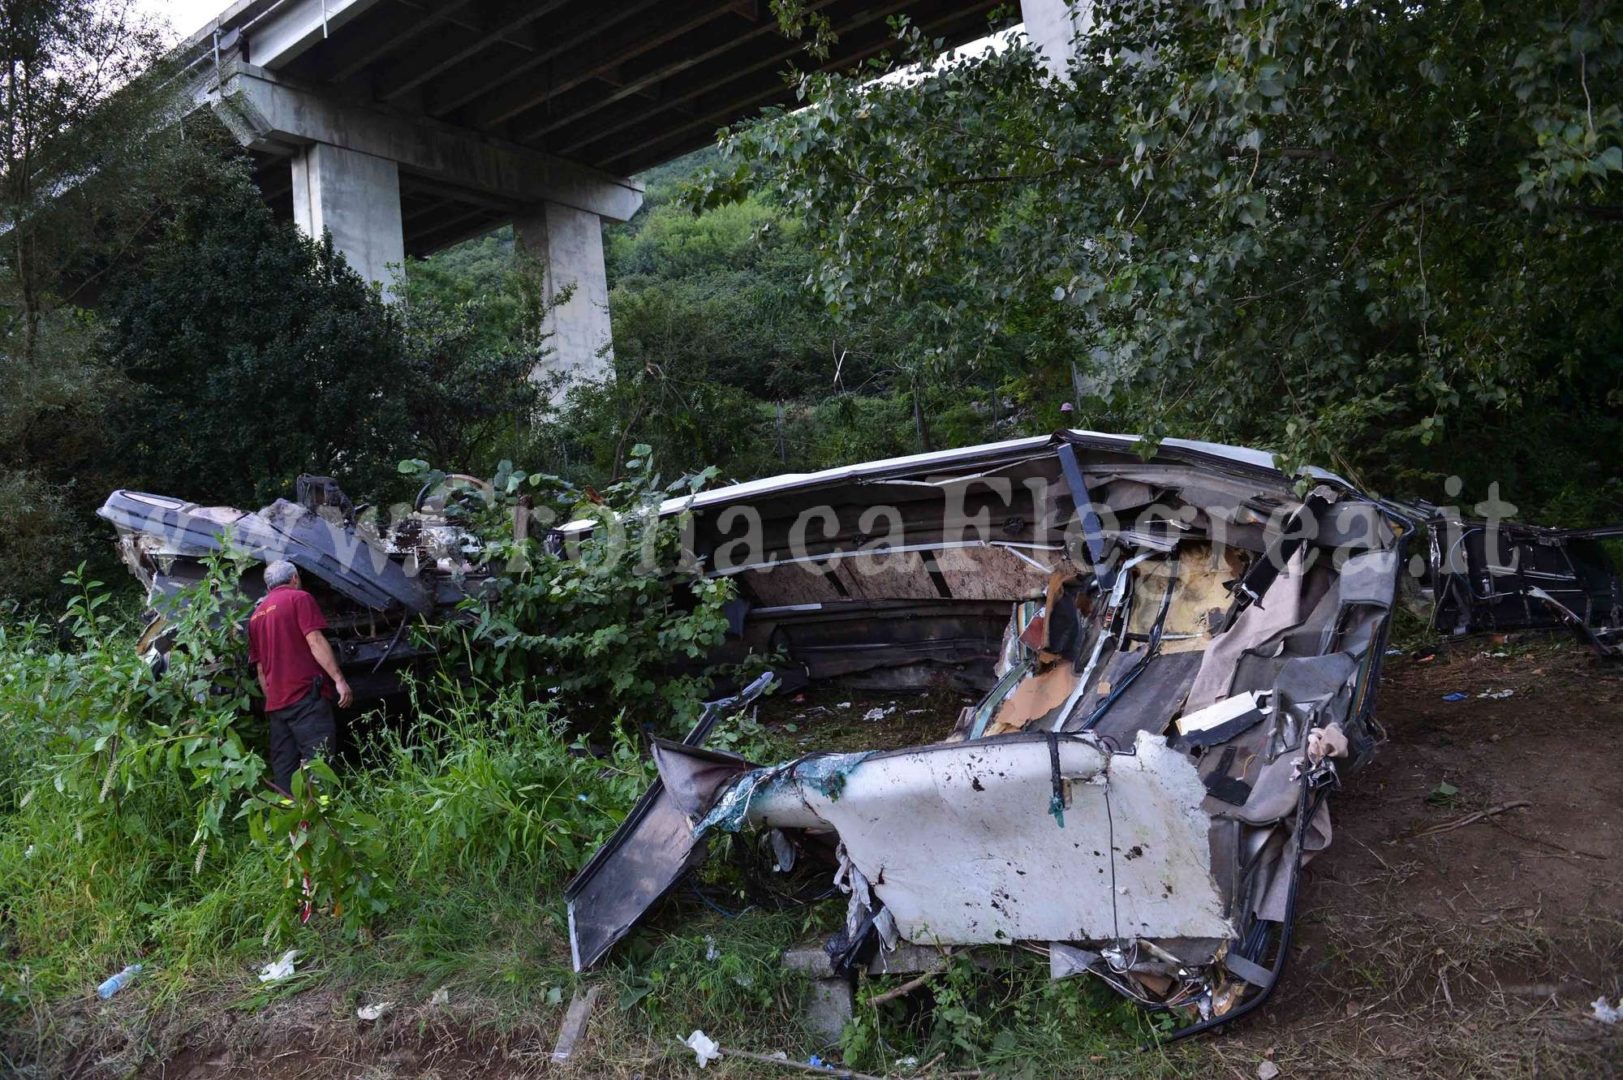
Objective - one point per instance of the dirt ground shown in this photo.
(1431, 943)
(1457, 933)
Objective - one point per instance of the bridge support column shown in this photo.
(569, 244)
(356, 197)
(1052, 26)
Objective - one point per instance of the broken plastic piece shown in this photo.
(703, 1047)
(277, 970)
(575, 1020)
(374, 1012)
(1326, 742)
(1222, 721)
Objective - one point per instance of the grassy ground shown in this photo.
(1426, 947)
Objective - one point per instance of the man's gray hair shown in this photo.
(279, 572)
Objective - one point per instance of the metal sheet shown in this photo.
(1132, 857)
(333, 552)
(647, 855)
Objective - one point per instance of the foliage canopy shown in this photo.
(1337, 230)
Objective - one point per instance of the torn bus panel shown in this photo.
(369, 582)
(654, 846)
(1500, 576)
(1022, 822)
(1175, 660)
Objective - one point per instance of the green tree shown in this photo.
(83, 154)
(1379, 235)
(255, 352)
(474, 324)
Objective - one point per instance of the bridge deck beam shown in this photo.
(350, 159)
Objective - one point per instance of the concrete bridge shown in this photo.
(404, 126)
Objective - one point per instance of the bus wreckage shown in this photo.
(1175, 658)
(1178, 657)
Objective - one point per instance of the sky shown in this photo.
(184, 16)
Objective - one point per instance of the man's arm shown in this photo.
(322, 651)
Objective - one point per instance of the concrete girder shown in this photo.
(746, 102)
(286, 31)
(582, 65)
(563, 38)
(412, 71)
(649, 81)
(405, 23)
(711, 96)
(268, 113)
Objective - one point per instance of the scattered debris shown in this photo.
(1267, 1070)
(118, 982)
(442, 996)
(1176, 661)
(371, 578)
(1607, 1013)
(1471, 819)
(1326, 742)
(878, 713)
(1443, 794)
(1500, 575)
(575, 1021)
(707, 1051)
(1456, 695)
(704, 1047)
(374, 1012)
(280, 969)
(1497, 695)
(651, 850)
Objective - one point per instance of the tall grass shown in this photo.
(131, 829)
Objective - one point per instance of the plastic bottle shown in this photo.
(118, 982)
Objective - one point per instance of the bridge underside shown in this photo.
(405, 126)
(617, 87)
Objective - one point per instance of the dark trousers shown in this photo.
(298, 733)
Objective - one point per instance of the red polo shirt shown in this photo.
(276, 643)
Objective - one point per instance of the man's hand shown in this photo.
(322, 651)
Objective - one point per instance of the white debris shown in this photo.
(704, 1047)
(373, 1012)
(843, 705)
(1497, 695)
(877, 713)
(1328, 741)
(1267, 1070)
(442, 996)
(1606, 1013)
(277, 970)
(711, 953)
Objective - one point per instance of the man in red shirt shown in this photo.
(297, 671)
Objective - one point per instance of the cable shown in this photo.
(1110, 820)
(712, 905)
